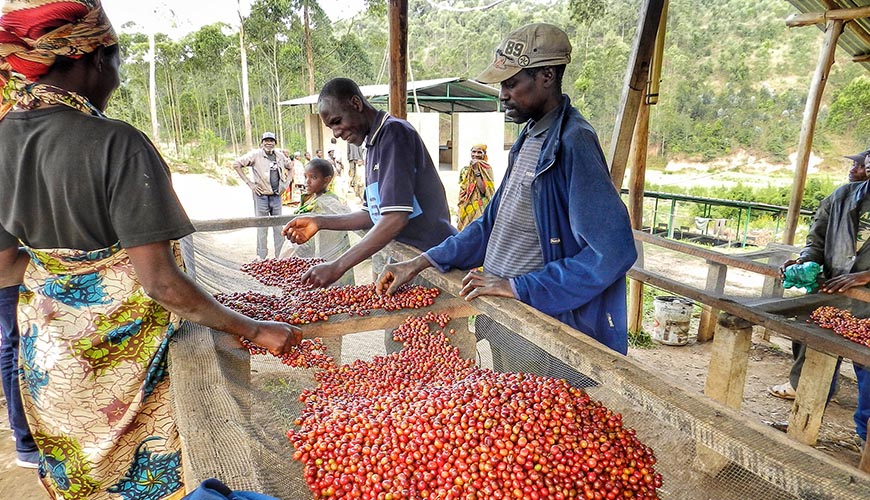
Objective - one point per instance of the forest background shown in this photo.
(734, 79)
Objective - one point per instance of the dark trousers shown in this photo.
(9, 370)
(263, 206)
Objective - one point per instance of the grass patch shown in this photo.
(640, 340)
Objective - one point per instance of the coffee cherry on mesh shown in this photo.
(298, 305)
(424, 423)
(843, 323)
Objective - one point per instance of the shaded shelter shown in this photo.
(474, 108)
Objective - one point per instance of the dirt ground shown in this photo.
(685, 366)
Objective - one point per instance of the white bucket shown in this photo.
(672, 316)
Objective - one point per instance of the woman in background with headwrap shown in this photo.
(476, 186)
(89, 223)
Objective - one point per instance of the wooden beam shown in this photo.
(811, 112)
(655, 71)
(726, 376)
(205, 226)
(637, 180)
(805, 418)
(397, 12)
(343, 324)
(710, 255)
(636, 78)
(812, 18)
(855, 28)
(716, 275)
(812, 335)
(864, 465)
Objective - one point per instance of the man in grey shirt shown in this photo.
(556, 235)
(272, 173)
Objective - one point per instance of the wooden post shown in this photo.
(811, 111)
(864, 466)
(634, 87)
(397, 12)
(716, 274)
(811, 396)
(772, 286)
(726, 377)
(637, 180)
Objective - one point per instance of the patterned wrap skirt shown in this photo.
(94, 378)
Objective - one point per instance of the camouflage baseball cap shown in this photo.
(532, 46)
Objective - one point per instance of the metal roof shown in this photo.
(856, 36)
(445, 95)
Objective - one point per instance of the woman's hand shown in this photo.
(277, 338)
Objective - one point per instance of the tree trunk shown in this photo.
(309, 52)
(231, 120)
(152, 89)
(278, 92)
(246, 98)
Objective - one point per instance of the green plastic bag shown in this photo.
(802, 276)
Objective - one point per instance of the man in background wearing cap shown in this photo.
(556, 234)
(838, 242)
(272, 171)
(858, 171)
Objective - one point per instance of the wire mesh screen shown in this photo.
(234, 409)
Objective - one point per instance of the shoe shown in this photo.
(28, 459)
(782, 391)
(781, 426)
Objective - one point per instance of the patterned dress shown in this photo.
(94, 378)
(472, 200)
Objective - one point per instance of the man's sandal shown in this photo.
(782, 391)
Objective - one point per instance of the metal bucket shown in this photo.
(672, 316)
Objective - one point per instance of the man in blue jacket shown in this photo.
(556, 235)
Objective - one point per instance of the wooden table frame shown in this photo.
(710, 424)
(727, 372)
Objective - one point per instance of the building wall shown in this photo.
(477, 128)
(427, 126)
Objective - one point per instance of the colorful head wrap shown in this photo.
(34, 32)
(483, 147)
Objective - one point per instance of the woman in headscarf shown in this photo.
(476, 186)
(89, 223)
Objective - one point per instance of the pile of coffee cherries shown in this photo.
(298, 305)
(310, 353)
(843, 323)
(424, 423)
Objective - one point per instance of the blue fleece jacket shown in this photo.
(584, 230)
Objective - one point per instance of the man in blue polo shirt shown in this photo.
(404, 197)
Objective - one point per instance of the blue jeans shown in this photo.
(9, 369)
(862, 412)
(263, 206)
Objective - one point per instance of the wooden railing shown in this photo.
(726, 374)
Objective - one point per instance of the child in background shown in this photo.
(320, 200)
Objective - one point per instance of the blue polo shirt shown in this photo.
(400, 177)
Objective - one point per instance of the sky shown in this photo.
(190, 15)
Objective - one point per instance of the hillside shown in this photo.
(734, 77)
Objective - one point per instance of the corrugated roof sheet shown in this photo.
(445, 95)
(856, 37)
